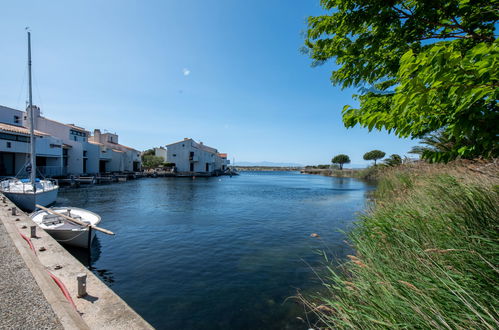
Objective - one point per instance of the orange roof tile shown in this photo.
(19, 129)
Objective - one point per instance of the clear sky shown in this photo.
(226, 72)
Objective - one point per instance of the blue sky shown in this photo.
(225, 72)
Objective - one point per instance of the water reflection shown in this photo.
(219, 252)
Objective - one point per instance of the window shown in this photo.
(16, 119)
(75, 138)
(174, 155)
(12, 137)
(9, 145)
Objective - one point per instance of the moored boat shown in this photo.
(26, 193)
(65, 231)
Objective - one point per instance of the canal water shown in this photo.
(220, 252)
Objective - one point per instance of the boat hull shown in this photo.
(74, 238)
(27, 201)
(66, 232)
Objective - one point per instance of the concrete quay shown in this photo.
(31, 299)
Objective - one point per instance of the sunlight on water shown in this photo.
(219, 252)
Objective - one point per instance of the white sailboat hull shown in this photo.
(27, 200)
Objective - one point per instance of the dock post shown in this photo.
(82, 285)
(33, 231)
(14, 210)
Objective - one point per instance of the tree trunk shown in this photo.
(341, 166)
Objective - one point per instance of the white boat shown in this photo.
(27, 193)
(21, 193)
(65, 231)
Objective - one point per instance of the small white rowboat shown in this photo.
(65, 231)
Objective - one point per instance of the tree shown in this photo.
(434, 144)
(420, 66)
(393, 160)
(151, 161)
(374, 155)
(340, 159)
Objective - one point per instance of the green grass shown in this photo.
(426, 256)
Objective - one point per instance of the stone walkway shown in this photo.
(22, 303)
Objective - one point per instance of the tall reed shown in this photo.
(427, 256)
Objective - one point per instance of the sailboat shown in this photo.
(26, 193)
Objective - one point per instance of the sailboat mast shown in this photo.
(31, 121)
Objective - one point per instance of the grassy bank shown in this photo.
(369, 173)
(427, 254)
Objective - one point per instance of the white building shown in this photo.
(115, 157)
(62, 149)
(160, 152)
(15, 148)
(192, 157)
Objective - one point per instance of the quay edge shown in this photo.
(100, 309)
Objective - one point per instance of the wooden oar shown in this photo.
(81, 223)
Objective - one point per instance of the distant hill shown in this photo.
(268, 164)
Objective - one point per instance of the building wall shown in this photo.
(205, 159)
(74, 139)
(11, 116)
(160, 152)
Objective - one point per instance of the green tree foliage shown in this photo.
(434, 143)
(340, 160)
(151, 161)
(374, 155)
(421, 66)
(393, 160)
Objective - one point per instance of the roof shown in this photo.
(69, 125)
(116, 150)
(222, 155)
(19, 129)
(187, 139)
(93, 142)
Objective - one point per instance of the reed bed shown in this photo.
(427, 254)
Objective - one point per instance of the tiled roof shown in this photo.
(19, 129)
(97, 143)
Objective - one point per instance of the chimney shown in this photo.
(201, 142)
(97, 135)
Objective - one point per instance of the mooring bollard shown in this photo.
(4, 199)
(14, 211)
(82, 285)
(33, 231)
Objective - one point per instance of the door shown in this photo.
(102, 166)
(192, 167)
(7, 164)
(207, 167)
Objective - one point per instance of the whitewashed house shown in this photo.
(14, 147)
(115, 157)
(192, 157)
(62, 149)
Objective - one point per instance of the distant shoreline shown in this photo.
(268, 168)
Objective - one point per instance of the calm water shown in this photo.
(218, 253)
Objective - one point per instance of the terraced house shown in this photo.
(62, 149)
